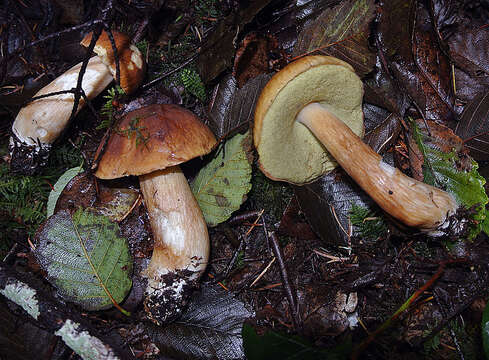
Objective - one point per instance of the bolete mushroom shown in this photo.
(309, 116)
(168, 135)
(40, 123)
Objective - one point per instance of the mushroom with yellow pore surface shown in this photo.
(169, 135)
(309, 118)
(41, 122)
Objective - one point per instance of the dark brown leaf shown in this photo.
(218, 51)
(401, 22)
(473, 127)
(232, 107)
(342, 32)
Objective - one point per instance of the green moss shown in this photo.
(23, 199)
(273, 196)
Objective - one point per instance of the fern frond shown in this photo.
(193, 84)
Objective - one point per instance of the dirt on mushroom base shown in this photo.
(166, 305)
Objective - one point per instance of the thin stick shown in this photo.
(263, 272)
(285, 280)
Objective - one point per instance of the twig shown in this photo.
(263, 272)
(169, 73)
(285, 280)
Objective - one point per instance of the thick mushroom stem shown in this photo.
(181, 242)
(39, 123)
(410, 201)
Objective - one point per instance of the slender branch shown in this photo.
(285, 280)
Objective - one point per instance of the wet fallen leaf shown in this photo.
(342, 31)
(473, 127)
(209, 329)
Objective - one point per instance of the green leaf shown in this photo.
(485, 330)
(221, 186)
(443, 170)
(274, 345)
(85, 258)
(59, 186)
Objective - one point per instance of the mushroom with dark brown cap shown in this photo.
(309, 116)
(172, 135)
(39, 123)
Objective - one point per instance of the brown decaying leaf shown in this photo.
(473, 127)
(469, 48)
(258, 54)
(218, 52)
(342, 32)
(231, 107)
(400, 23)
(441, 138)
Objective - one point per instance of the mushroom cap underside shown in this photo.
(153, 138)
(287, 150)
(131, 62)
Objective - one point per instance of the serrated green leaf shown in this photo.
(275, 345)
(441, 170)
(85, 258)
(221, 186)
(59, 186)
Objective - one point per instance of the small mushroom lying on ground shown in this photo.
(150, 142)
(40, 123)
(309, 115)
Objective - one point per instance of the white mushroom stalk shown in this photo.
(410, 201)
(172, 135)
(181, 243)
(40, 123)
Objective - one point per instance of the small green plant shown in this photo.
(23, 199)
(108, 108)
(193, 84)
(369, 224)
(134, 130)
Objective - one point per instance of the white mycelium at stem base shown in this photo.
(410, 201)
(181, 242)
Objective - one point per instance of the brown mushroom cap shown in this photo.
(287, 149)
(131, 61)
(168, 135)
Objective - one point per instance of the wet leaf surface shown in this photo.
(406, 40)
(233, 108)
(342, 31)
(210, 328)
(473, 127)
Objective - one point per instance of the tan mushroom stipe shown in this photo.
(181, 242)
(310, 113)
(131, 62)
